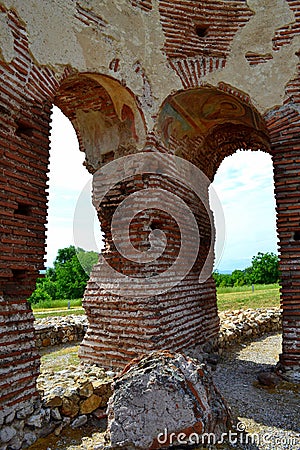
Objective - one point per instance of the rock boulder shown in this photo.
(165, 400)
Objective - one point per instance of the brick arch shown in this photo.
(196, 42)
(105, 115)
(192, 124)
(201, 125)
(204, 125)
(28, 92)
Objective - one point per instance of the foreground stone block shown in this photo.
(164, 400)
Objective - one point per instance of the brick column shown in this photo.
(175, 312)
(25, 108)
(284, 126)
(23, 209)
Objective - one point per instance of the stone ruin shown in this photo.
(185, 79)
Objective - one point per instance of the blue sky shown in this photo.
(243, 183)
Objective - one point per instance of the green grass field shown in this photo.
(56, 304)
(57, 308)
(241, 297)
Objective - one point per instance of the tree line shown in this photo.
(68, 277)
(264, 269)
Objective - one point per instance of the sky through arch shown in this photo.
(244, 184)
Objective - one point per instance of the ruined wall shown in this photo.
(120, 90)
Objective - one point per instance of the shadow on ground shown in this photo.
(236, 378)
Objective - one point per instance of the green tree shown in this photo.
(248, 275)
(222, 279)
(265, 268)
(238, 278)
(217, 277)
(68, 278)
(87, 259)
(39, 295)
(64, 255)
(71, 279)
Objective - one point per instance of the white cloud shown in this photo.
(244, 184)
(66, 164)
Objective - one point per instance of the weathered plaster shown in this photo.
(6, 39)
(97, 134)
(136, 38)
(120, 97)
(128, 34)
(51, 41)
(265, 83)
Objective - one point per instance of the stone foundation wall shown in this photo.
(235, 327)
(59, 330)
(242, 325)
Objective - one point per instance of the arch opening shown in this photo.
(67, 178)
(245, 185)
(205, 126)
(105, 116)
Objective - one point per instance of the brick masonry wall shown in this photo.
(284, 126)
(284, 35)
(145, 5)
(198, 36)
(24, 151)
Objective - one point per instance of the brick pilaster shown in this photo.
(284, 127)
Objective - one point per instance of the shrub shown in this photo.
(39, 295)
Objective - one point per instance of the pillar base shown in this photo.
(288, 373)
(121, 329)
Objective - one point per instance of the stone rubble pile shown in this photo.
(19, 426)
(75, 393)
(240, 325)
(68, 398)
(59, 330)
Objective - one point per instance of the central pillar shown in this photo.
(152, 287)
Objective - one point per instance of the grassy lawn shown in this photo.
(264, 295)
(243, 297)
(58, 359)
(62, 312)
(57, 308)
(56, 304)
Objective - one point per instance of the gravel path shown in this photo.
(271, 417)
(273, 414)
